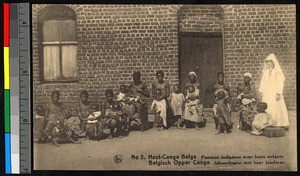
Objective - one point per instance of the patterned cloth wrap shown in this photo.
(116, 115)
(129, 107)
(198, 107)
(61, 129)
(94, 130)
(246, 118)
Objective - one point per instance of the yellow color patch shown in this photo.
(6, 68)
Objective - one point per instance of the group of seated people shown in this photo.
(114, 117)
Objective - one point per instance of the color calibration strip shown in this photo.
(6, 24)
(17, 121)
(14, 89)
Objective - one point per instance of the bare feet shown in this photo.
(175, 123)
(218, 133)
(77, 142)
(55, 143)
(228, 131)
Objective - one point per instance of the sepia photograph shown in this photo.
(194, 87)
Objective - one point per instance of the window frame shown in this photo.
(55, 12)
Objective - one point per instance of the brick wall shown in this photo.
(115, 40)
(188, 11)
(201, 24)
(251, 33)
(195, 18)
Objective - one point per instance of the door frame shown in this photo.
(197, 34)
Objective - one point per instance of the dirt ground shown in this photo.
(134, 151)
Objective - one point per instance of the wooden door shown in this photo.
(203, 54)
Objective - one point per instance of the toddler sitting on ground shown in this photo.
(262, 119)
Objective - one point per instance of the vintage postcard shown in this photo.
(164, 87)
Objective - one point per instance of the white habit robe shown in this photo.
(272, 83)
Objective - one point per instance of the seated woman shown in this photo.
(62, 132)
(57, 129)
(262, 119)
(113, 116)
(193, 113)
(246, 112)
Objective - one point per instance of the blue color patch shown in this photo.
(7, 154)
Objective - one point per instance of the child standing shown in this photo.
(177, 104)
(160, 107)
(84, 109)
(39, 122)
(222, 112)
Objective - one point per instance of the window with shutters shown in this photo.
(58, 44)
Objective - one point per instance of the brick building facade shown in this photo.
(115, 40)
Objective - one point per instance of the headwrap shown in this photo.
(109, 92)
(55, 92)
(248, 74)
(160, 72)
(137, 74)
(193, 73)
(84, 92)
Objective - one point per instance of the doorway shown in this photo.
(202, 53)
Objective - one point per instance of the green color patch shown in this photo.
(7, 111)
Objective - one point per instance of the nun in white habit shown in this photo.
(271, 87)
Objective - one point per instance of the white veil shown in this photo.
(277, 68)
(264, 85)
